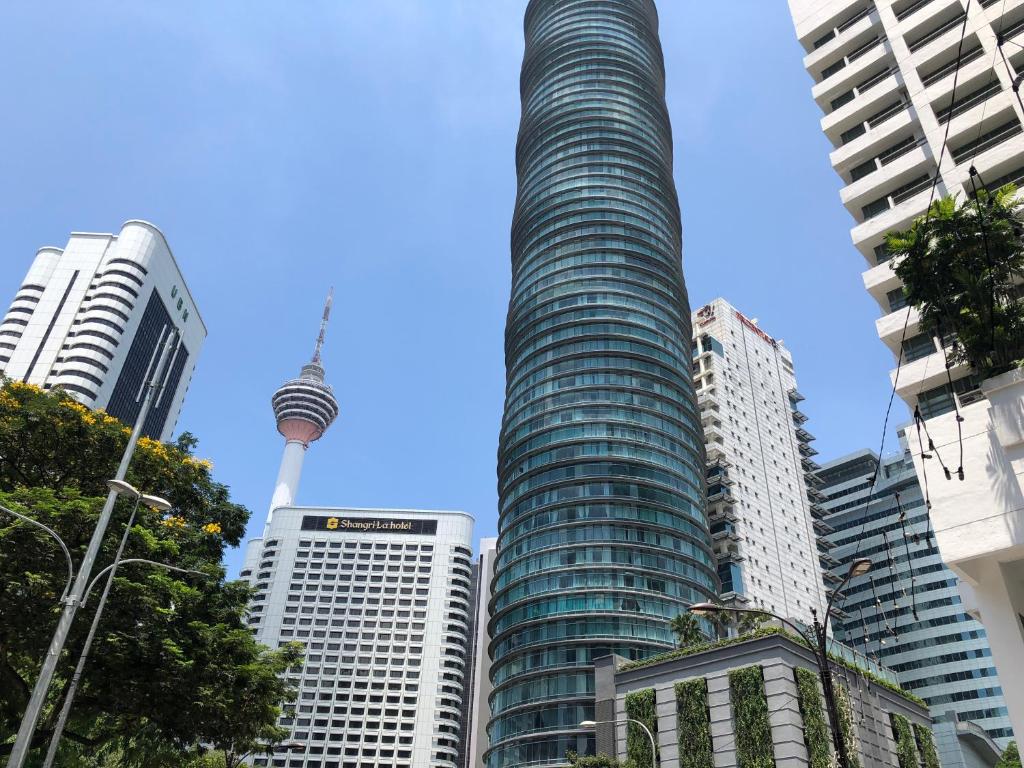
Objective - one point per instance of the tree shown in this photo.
(687, 630)
(600, 761)
(1010, 757)
(959, 265)
(173, 664)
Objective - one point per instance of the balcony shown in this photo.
(822, 528)
(874, 141)
(898, 217)
(850, 70)
(862, 105)
(806, 450)
(818, 512)
(795, 396)
(810, 465)
(920, 42)
(722, 495)
(803, 435)
(856, 28)
(722, 512)
(895, 165)
(799, 417)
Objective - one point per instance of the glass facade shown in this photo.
(144, 352)
(603, 534)
(907, 613)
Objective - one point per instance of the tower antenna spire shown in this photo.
(323, 327)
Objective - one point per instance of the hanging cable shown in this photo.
(881, 609)
(910, 560)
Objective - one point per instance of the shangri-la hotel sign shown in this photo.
(369, 525)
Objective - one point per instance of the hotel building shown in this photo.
(380, 598)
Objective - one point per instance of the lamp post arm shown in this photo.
(166, 567)
(654, 744)
(53, 533)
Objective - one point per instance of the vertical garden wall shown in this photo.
(816, 734)
(754, 747)
(641, 706)
(906, 748)
(926, 746)
(693, 725)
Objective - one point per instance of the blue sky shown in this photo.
(286, 147)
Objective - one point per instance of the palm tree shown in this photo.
(959, 265)
(687, 630)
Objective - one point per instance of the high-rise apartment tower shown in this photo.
(603, 536)
(914, 91)
(941, 654)
(884, 76)
(91, 317)
(762, 487)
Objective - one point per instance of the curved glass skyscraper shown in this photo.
(602, 531)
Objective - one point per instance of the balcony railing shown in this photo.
(987, 141)
(972, 99)
(948, 69)
(908, 10)
(921, 42)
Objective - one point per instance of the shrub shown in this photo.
(816, 732)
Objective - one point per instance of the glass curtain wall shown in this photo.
(603, 531)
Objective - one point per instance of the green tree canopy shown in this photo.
(174, 663)
(959, 265)
(1010, 757)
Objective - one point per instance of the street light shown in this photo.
(121, 488)
(26, 730)
(63, 546)
(819, 647)
(654, 745)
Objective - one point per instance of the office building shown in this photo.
(941, 654)
(380, 598)
(480, 674)
(91, 318)
(884, 75)
(603, 536)
(762, 486)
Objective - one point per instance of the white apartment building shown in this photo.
(884, 74)
(91, 318)
(477, 741)
(380, 599)
(762, 490)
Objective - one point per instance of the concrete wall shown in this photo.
(778, 657)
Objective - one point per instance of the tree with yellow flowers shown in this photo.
(174, 665)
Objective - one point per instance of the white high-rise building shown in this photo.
(380, 598)
(480, 675)
(884, 74)
(91, 318)
(762, 490)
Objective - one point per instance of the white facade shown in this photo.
(759, 501)
(479, 704)
(979, 521)
(883, 76)
(91, 316)
(380, 599)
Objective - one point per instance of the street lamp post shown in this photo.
(23, 741)
(819, 647)
(124, 489)
(654, 745)
(53, 533)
